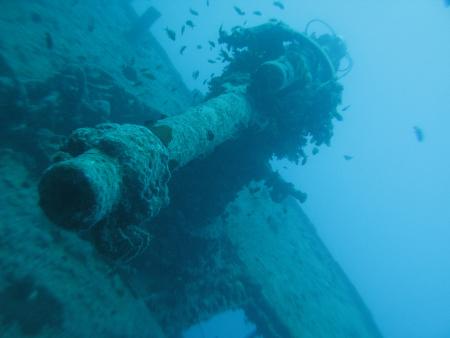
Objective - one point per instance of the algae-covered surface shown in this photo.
(293, 271)
(52, 283)
(261, 256)
(41, 38)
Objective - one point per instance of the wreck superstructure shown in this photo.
(176, 217)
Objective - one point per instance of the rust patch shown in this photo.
(164, 133)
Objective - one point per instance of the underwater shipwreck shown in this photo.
(132, 207)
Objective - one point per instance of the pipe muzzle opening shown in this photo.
(80, 192)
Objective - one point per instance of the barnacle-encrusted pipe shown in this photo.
(199, 130)
(114, 170)
(121, 171)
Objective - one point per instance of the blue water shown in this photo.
(384, 214)
(223, 325)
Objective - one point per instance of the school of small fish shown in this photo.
(224, 56)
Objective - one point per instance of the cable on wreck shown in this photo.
(328, 26)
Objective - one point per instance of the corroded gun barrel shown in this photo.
(123, 170)
(111, 170)
(115, 176)
(82, 190)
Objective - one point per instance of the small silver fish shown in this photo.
(419, 134)
(193, 12)
(278, 4)
(238, 10)
(171, 34)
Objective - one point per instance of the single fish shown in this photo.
(278, 4)
(419, 134)
(36, 17)
(199, 46)
(338, 116)
(273, 20)
(190, 23)
(346, 108)
(315, 151)
(207, 3)
(222, 33)
(212, 44)
(257, 13)
(238, 10)
(211, 61)
(348, 157)
(149, 76)
(193, 12)
(183, 28)
(171, 34)
(195, 74)
(130, 73)
(304, 160)
(182, 49)
(48, 40)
